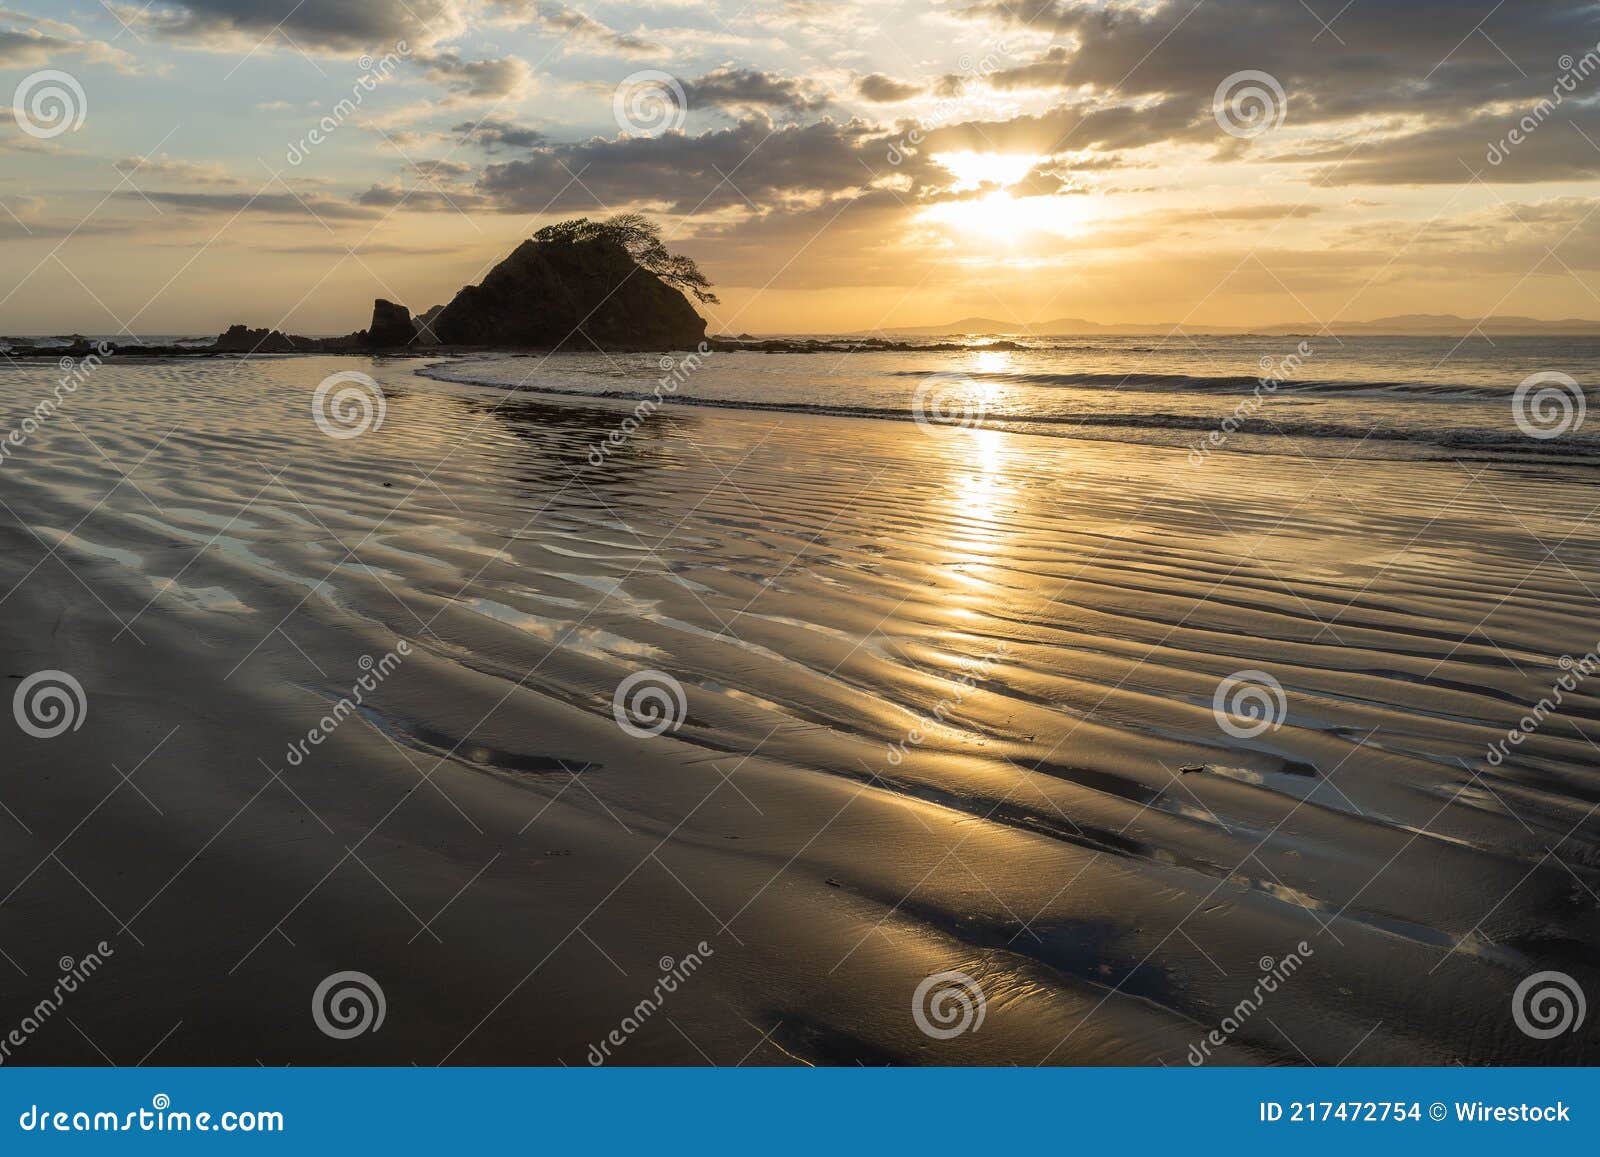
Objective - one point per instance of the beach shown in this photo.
(939, 686)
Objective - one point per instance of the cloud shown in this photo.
(882, 89)
(315, 205)
(28, 41)
(580, 32)
(164, 167)
(777, 167)
(426, 196)
(492, 135)
(345, 27)
(749, 89)
(1441, 71)
(505, 78)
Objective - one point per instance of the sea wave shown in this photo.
(1508, 442)
(1223, 383)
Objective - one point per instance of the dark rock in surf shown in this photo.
(243, 340)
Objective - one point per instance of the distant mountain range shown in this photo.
(1403, 325)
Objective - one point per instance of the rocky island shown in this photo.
(578, 285)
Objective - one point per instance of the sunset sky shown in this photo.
(832, 164)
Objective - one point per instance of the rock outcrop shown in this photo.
(242, 340)
(572, 295)
(391, 325)
(424, 324)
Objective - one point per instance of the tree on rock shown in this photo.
(641, 237)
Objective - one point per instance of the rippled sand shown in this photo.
(938, 687)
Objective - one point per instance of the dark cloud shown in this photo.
(1402, 53)
(1143, 75)
(749, 88)
(505, 77)
(776, 167)
(882, 89)
(375, 26)
(492, 135)
(1551, 149)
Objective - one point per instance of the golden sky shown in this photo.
(833, 166)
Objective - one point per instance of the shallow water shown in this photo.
(937, 689)
(1369, 397)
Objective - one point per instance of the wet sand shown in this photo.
(515, 870)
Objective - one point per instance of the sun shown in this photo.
(974, 170)
(999, 217)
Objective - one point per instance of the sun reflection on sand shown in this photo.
(983, 496)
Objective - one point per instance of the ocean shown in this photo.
(1366, 397)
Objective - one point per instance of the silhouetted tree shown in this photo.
(641, 237)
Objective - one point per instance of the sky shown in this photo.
(175, 166)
